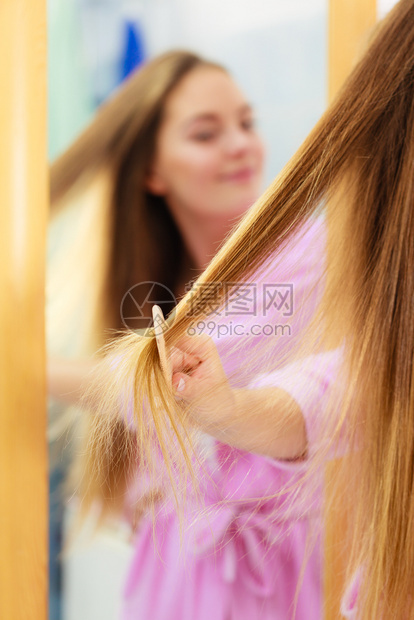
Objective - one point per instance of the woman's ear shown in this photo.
(154, 182)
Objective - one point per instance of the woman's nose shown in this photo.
(238, 140)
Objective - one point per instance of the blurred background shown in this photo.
(275, 49)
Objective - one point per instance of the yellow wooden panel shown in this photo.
(350, 22)
(23, 210)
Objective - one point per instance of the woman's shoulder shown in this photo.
(302, 256)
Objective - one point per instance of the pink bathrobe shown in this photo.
(242, 557)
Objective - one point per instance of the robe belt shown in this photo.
(244, 538)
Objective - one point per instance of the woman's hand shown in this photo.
(199, 379)
(264, 420)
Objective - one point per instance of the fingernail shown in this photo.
(181, 385)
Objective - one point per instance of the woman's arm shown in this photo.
(267, 421)
(69, 379)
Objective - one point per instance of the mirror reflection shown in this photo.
(157, 154)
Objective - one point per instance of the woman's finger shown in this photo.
(180, 360)
(200, 346)
(187, 386)
(179, 382)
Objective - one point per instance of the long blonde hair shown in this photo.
(360, 160)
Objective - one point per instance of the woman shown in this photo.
(141, 201)
(179, 175)
(158, 180)
(361, 157)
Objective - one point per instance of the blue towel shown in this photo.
(134, 52)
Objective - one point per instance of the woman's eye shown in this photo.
(204, 136)
(248, 124)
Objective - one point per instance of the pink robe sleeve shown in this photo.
(311, 383)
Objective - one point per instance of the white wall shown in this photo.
(384, 6)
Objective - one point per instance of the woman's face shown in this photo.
(209, 158)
